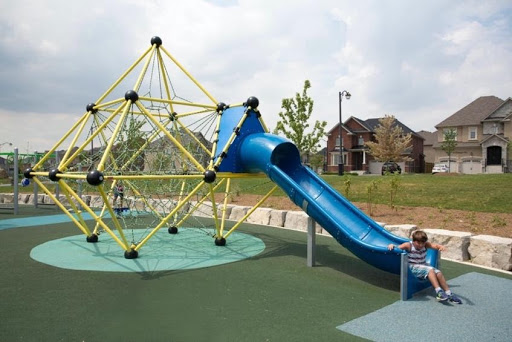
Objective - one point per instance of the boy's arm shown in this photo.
(405, 246)
(435, 246)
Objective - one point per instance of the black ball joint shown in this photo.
(27, 172)
(92, 238)
(156, 40)
(95, 177)
(90, 108)
(173, 230)
(221, 106)
(131, 95)
(53, 175)
(220, 241)
(131, 254)
(209, 176)
(252, 102)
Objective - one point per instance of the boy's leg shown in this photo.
(442, 281)
(436, 283)
(433, 279)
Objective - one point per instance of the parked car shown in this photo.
(390, 167)
(438, 168)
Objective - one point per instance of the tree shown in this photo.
(390, 141)
(294, 122)
(449, 143)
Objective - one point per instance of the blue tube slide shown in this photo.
(279, 159)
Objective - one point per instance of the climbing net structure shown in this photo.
(145, 157)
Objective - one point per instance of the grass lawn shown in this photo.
(484, 193)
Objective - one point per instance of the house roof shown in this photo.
(473, 113)
(372, 124)
(430, 137)
(502, 112)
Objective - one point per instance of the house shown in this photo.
(428, 148)
(483, 132)
(356, 133)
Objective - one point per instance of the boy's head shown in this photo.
(419, 236)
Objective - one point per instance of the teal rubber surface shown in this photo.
(189, 249)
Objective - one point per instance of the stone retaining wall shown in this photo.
(485, 250)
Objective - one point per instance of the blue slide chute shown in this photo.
(279, 159)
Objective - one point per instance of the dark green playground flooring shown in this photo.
(271, 297)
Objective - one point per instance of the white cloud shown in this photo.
(418, 61)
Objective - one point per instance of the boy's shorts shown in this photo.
(421, 271)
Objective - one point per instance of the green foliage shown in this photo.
(128, 143)
(450, 143)
(346, 185)
(394, 187)
(316, 161)
(391, 142)
(371, 188)
(294, 122)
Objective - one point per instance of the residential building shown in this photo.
(483, 132)
(356, 133)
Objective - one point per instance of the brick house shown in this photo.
(484, 130)
(355, 152)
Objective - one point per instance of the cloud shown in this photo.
(418, 61)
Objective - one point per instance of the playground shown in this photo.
(271, 296)
(142, 247)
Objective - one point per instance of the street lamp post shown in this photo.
(340, 165)
(5, 143)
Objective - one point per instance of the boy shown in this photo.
(118, 192)
(416, 252)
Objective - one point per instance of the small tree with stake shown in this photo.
(449, 144)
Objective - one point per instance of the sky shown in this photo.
(420, 61)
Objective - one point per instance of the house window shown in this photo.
(336, 159)
(360, 141)
(472, 133)
(338, 141)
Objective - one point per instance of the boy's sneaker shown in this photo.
(454, 299)
(441, 296)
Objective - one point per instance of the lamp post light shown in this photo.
(5, 143)
(340, 165)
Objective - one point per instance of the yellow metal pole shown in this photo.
(180, 196)
(215, 140)
(112, 87)
(164, 78)
(231, 139)
(48, 154)
(73, 142)
(224, 207)
(175, 142)
(196, 206)
(69, 197)
(250, 211)
(194, 137)
(171, 214)
(137, 84)
(88, 140)
(101, 165)
(84, 229)
(114, 218)
(104, 106)
(97, 218)
(189, 75)
(182, 103)
(214, 211)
